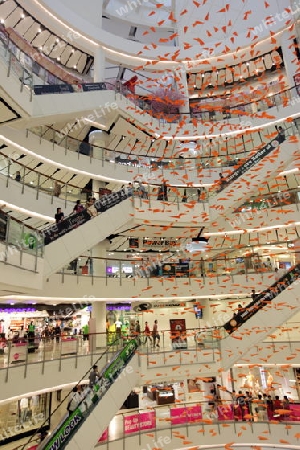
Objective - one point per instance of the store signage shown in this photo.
(86, 87)
(75, 220)
(262, 299)
(69, 427)
(139, 422)
(168, 305)
(183, 415)
(160, 242)
(178, 333)
(133, 243)
(251, 162)
(16, 310)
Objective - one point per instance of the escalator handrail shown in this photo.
(73, 422)
(55, 231)
(262, 299)
(62, 401)
(252, 161)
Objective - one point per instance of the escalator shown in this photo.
(267, 311)
(80, 232)
(83, 427)
(245, 180)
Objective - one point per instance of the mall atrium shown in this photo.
(149, 224)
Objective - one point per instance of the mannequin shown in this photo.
(250, 380)
(24, 409)
(269, 380)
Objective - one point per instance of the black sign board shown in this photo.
(40, 89)
(262, 299)
(86, 87)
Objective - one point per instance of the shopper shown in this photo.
(137, 332)
(94, 376)
(85, 332)
(147, 333)
(155, 334)
(78, 207)
(57, 189)
(18, 176)
(74, 400)
(59, 216)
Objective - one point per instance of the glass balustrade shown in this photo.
(246, 262)
(19, 239)
(32, 74)
(228, 158)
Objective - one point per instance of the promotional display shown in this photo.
(178, 333)
(87, 87)
(262, 299)
(253, 160)
(225, 412)
(75, 220)
(18, 353)
(40, 89)
(70, 425)
(139, 422)
(185, 415)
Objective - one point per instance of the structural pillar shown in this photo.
(98, 325)
(182, 87)
(290, 58)
(99, 65)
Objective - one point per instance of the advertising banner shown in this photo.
(68, 346)
(18, 353)
(183, 415)
(178, 333)
(194, 413)
(147, 420)
(225, 412)
(87, 87)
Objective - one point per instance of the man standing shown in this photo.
(155, 335)
(94, 376)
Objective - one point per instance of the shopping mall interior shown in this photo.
(149, 224)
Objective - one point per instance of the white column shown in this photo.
(97, 252)
(98, 324)
(289, 55)
(99, 65)
(182, 87)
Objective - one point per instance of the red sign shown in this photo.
(225, 412)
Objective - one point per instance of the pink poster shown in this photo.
(225, 412)
(104, 436)
(295, 412)
(139, 421)
(178, 416)
(194, 413)
(131, 424)
(147, 420)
